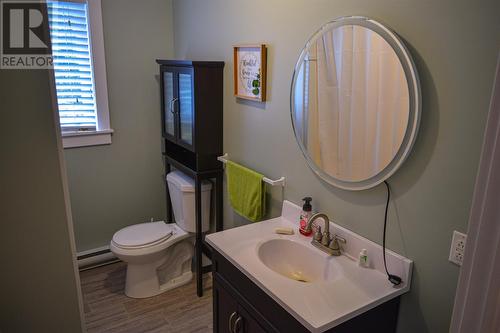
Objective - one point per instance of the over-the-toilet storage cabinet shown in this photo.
(192, 123)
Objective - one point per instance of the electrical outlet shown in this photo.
(457, 249)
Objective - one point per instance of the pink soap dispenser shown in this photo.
(305, 215)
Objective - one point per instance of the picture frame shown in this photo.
(250, 71)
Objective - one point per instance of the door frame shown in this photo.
(67, 202)
(477, 300)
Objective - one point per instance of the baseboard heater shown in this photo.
(95, 258)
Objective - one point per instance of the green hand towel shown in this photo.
(247, 193)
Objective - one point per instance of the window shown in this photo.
(80, 72)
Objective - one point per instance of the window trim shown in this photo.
(86, 138)
(102, 135)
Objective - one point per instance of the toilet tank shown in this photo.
(181, 189)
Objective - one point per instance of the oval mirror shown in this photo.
(355, 102)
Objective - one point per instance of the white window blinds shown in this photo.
(69, 32)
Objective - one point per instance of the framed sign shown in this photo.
(250, 72)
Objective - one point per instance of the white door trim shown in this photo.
(477, 301)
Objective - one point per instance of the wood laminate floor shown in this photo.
(107, 309)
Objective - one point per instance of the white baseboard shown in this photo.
(95, 257)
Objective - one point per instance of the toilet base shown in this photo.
(171, 270)
(177, 282)
(142, 282)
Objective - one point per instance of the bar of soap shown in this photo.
(284, 231)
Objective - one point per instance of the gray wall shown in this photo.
(120, 184)
(38, 281)
(455, 45)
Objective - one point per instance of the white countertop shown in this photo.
(349, 291)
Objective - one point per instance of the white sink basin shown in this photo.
(295, 261)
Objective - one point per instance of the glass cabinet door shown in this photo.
(168, 95)
(186, 107)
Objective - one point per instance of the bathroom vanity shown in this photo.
(266, 282)
(241, 306)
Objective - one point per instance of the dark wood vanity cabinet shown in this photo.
(231, 315)
(240, 306)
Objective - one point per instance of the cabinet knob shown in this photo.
(231, 321)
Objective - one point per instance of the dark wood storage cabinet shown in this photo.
(192, 117)
(192, 123)
(240, 306)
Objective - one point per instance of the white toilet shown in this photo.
(158, 255)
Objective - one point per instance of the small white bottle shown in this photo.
(363, 258)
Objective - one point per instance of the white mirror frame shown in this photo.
(415, 104)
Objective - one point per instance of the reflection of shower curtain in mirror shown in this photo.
(357, 123)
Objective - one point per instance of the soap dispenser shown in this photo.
(305, 215)
(363, 258)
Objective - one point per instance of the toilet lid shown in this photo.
(142, 234)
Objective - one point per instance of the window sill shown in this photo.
(87, 138)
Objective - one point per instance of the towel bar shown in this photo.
(277, 182)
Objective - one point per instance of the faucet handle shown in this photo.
(325, 239)
(340, 239)
(317, 235)
(334, 244)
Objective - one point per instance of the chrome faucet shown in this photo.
(323, 241)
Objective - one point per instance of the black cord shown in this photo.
(395, 280)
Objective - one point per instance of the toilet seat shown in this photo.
(132, 247)
(164, 239)
(143, 235)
